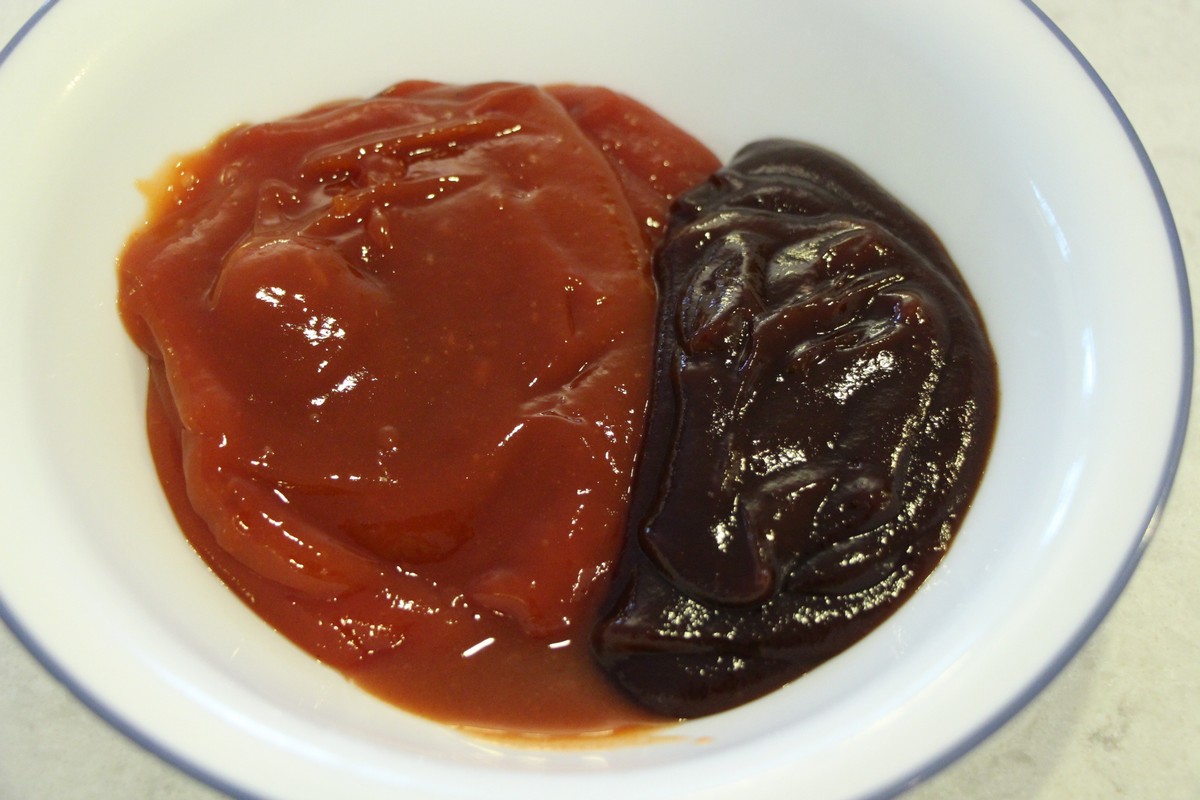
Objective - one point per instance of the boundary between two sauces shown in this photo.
(518, 408)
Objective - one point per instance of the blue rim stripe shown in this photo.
(1167, 478)
(93, 703)
(6, 51)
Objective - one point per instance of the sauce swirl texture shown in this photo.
(824, 404)
(400, 354)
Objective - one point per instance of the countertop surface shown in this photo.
(1123, 718)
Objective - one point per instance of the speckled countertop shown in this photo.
(1122, 720)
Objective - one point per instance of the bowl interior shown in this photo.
(979, 118)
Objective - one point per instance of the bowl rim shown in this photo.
(983, 728)
(1071, 647)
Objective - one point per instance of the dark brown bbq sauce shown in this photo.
(823, 405)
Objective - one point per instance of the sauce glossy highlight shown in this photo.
(399, 353)
(511, 405)
(824, 403)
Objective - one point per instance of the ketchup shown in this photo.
(399, 353)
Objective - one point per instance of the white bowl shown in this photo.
(979, 115)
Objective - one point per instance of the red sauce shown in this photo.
(399, 353)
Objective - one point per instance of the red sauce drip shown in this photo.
(399, 352)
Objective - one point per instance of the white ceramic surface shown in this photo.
(976, 115)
